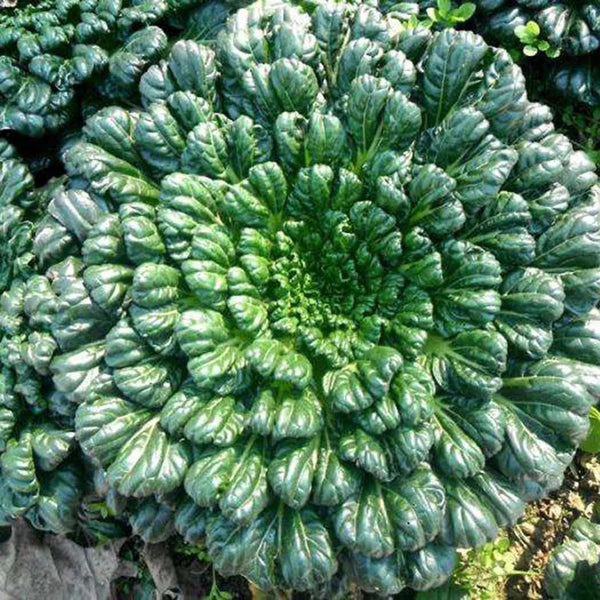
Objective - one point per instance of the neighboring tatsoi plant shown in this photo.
(573, 572)
(322, 303)
(569, 28)
(61, 493)
(49, 50)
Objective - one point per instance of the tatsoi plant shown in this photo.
(48, 51)
(321, 303)
(58, 493)
(571, 28)
(573, 571)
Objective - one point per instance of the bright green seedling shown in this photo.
(547, 28)
(445, 15)
(529, 36)
(216, 593)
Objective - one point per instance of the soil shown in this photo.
(547, 522)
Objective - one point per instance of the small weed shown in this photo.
(583, 126)
(194, 550)
(529, 36)
(215, 592)
(483, 572)
(446, 15)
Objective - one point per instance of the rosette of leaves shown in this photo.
(43, 475)
(22, 207)
(573, 571)
(305, 301)
(569, 27)
(49, 51)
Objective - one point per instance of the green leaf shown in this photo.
(526, 455)
(78, 320)
(248, 492)
(468, 298)
(530, 50)
(218, 421)
(356, 387)
(334, 480)
(193, 68)
(531, 301)
(250, 144)
(51, 446)
(416, 507)
(374, 574)
(292, 469)
(572, 241)
(449, 71)
(500, 496)
(298, 416)
(59, 500)
(118, 179)
(205, 151)
(140, 234)
(158, 138)
(209, 475)
(307, 555)
(136, 470)
(444, 6)
(591, 443)
(363, 524)
(550, 394)
(106, 424)
(434, 208)
(468, 522)
(190, 521)
(503, 229)
(18, 470)
(75, 373)
(326, 140)
(150, 383)
(431, 566)
(471, 363)
(464, 12)
(572, 569)
(108, 285)
(367, 99)
(367, 453)
(455, 454)
(245, 549)
(152, 521)
(294, 84)
(409, 446)
(110, 128)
